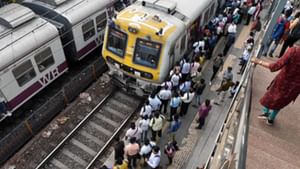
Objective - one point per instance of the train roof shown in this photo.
(187, 9)
(149, 20)
(21, 32)
(74, 10)
(190, 8)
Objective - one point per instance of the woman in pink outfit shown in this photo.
(285, 87)
(203, 113)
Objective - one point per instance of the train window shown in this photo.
(116, 42)
(182, 44)
(101, 22)
(24, 73)
(88, 30)
(44, 59)
(147, 53)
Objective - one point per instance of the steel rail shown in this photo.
(111, 138)
(74, 130)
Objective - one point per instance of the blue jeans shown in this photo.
(198, 97)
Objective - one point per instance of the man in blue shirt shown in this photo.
(174, 104)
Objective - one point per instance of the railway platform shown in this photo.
(268, 146)
(196, 145)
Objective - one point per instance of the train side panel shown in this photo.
(79, 22)
(31, 58)
(88, 34)
(33, 73)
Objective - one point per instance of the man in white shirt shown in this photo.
(168, 84)
(244, 60)
(185, 70)
(232, 28)
(250, 13)
(154, 160)
(133, 131)
(227, 75)
(144, 126)
(185, 85)
(199, 46)
(195, 66)
(154, 102)
(164, 95)
(146, 149)
(146, 110)
(175, 78)
(186, 100)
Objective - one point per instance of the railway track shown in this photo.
(88, 140)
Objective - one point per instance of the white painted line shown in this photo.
(91, 137)
(100, 128)
(83, 147)
(119, 104)
(74, 157)
(59, 164)
(108, 120)
(125, 97)
(114, 112)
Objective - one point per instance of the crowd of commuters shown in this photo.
(171, 101)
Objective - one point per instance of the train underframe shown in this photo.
(130, 84)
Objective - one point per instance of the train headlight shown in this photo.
(133, 28)
(147, 75)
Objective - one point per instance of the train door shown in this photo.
(3, 107)
(101, 24)
(172, 56)
(177, 51)
(193, 32)
(183, 42)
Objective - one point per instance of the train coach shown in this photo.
(81, 23)
(31, 55)
(39, 38)
(144, 41)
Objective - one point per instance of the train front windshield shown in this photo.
(116, 42)
(147, 53)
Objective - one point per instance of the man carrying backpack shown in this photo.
(156, 124)
(170, 151)
(174, 126)
(154, 159)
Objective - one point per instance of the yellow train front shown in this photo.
(143, 42)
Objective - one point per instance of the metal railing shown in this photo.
(231, 143)
(230, 149)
